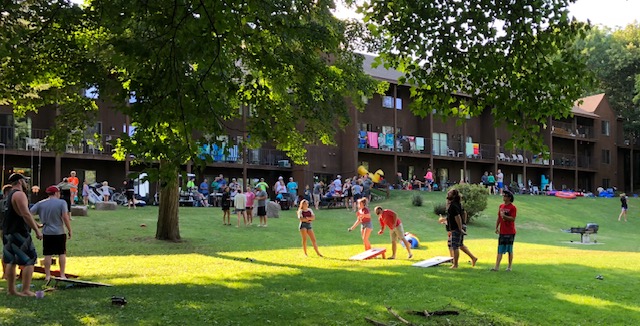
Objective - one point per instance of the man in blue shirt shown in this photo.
(204, 189)
(292, 189)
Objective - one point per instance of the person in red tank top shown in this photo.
(363, 216)
(306, 216)
(390, 219)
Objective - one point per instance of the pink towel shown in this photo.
(372, 137)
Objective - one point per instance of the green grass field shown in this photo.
(222, 275)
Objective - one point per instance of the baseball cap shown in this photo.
(16, 176)
(52, 189)
(280, 178)
(339, 176)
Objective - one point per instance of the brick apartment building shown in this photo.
(587, 150)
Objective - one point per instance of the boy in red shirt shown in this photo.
(506, 228)
(389, 218)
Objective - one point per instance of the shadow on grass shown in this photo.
(531, 294)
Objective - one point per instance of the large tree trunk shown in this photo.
(168, 223)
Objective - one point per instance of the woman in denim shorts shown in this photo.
(363, 216)
(306, 216)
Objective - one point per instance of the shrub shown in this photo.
(440, 209)
(474, 198)
(416, 200)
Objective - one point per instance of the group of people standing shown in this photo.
(387, 218)
(494, 183)
(456, 226)
(243, 204)
(455, 223)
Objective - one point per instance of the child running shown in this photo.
(306, 216)
(363, 216)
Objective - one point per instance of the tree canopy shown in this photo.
(513, 57)
(188, 66)
(614, 56)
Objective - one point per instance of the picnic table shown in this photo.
(332, 202)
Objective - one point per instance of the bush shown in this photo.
(416, 200)
(474, 198)
(440, 209)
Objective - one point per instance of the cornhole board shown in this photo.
(437, 260)
(40, 269)
(78, 283)
(371, 253)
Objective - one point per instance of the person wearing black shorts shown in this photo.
(225, 204)
(18, 248)
(54, 216)
(261, 202)
(130, 191)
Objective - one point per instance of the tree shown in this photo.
(181, 69)
(42, 64)
(514, 57)
(614, 56)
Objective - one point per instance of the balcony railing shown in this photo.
(34, 140)
(422, 145)
(567, 130)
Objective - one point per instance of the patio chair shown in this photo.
(522, 159)
(502, 157)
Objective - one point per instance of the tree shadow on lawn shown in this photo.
(531, 294)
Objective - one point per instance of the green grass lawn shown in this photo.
(208, 280)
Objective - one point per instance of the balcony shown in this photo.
(34, 140)
(375, 141)
(567, 130)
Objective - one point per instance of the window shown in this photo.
(366, 127)
(365, 164)
(440, 146)
(606, 183)
(92, 93)
(90, 176)
(606, 156)
(387, 102)
(466, 176)
(398, 104)
(443, 177)
(605, 128)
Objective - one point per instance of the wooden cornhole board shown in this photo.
(371, 253)
(40, 269)
(78, 283)
(437, 260)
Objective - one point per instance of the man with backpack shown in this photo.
(18, 247)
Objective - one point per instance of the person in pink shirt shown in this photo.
(428, 179)
(389, 218)
(363, 216)
(250, 197)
